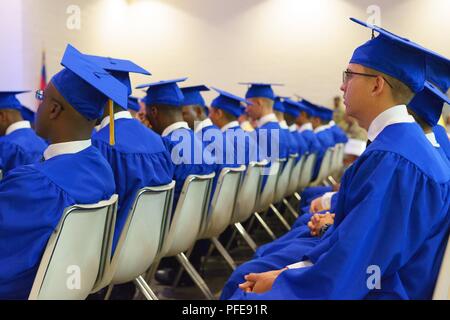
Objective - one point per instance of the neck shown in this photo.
(373, 112)
(170, 121)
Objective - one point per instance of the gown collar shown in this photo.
(117, 116)
(266, 119)
(394, 115)
(202, 125)
(71, 147)
(230, 125)
(17, 126)
(305, 127)
(175, 126)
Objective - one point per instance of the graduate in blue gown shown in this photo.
(34, 197)
(305, 127)
(402, 236)
(19, 144)
(285, 133)
(291, 114)
(164, 101)
(239, 147)
(138, 157)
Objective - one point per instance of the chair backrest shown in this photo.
(190, 214)
(337, 158)
(1, 174)
(249, 191)
(324, 167)
(76, 253)
(223, 202)
(307, 171)
(442, 288)
(284, 178)
(143, 233)
(295, 176)
(268, 191)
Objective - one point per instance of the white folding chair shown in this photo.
(141, 238)
(324, 168)
(268, 193)
(442, 288)
(221, 209)
(306, 174)
(190, 215)
(249, 191)
(282, 189)
(76, 253)
(294, 182)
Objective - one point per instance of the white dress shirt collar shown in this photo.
(396, 114)
(230, 125)
(175, 126)
(199, 126)
(17, 126)
(71, 147)
(306, 126)
(321, 128)
(293, 128)
(266, 119)
(284, 125)
(117, 116)
(432, 138)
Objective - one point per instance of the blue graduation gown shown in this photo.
(404, 234)
(139, 159)
(442, 139)
(312, 143)
(339, 134)
(302, 147)
(187, 155)
(32, 201)
(19, 148)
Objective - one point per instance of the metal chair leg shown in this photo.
(195, 276)
(240, 228)
(290, 208)
(224, 253)
(145, 288)
(109, 292)
(265, 226)
(280, 217)
(180, 272)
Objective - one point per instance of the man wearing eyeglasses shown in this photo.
(392, 213)
(19, 144)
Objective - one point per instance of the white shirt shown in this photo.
(432, 138)
(293, 128)
(284, 125)
(300, 265)
(396, 114)
(266, 119)
(71, 147)
(321, 128)
(175, 126)
(326, 200)
(230, 125)
(199, 126)
(117, 116)
(305, 127)
(17, 126)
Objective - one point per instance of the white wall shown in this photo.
(302, 43)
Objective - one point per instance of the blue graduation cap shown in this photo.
(229, 103)
(164, 92)
(278, 105)
(133, 104)
(27, 114)
(438, 72)
(395, 56)
(192, 95)
(326, 113)
(428, 104)
(8, 100)
(260, 90)
(292, 107)
(119, 69)
(86, 86)
(309, 107)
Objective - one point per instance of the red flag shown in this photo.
(43, 83)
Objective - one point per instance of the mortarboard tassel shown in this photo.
(112, 138)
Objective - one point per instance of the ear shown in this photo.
(379, 86)
(3, 115)
(55, 110)
(198, 111)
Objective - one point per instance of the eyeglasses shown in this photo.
(39, 95)
(346, 75)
